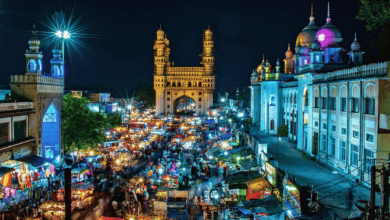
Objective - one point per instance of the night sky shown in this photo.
(119, 36)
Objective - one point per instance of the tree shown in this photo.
(114, 119)
(82, 128)
(283, 130)
(147, 94)
(376, 15)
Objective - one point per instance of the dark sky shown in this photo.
(119, 35)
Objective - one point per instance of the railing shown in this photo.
(36, 78)
(15, 106)
(185, 68)
(369, 70)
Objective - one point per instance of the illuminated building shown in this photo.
(40, 98)
(336, 108)
(172, 83)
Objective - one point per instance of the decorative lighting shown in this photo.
(321, 37)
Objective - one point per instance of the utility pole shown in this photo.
(384, 192)
(372, 197)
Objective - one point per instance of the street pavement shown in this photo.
(308, 172)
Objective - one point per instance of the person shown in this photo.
(200, 204)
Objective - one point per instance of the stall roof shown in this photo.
(243, 176)
(4, 170)
(225, 136)
(34, 160)
(271, 204)
(209, 121)
(213, 150)
(258, 184)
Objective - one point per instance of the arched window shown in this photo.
(31, 65)
(174, 84)
(200, 84)
(50, 115)
(189, 84)
(40, 65)
(317, 58)
(55, 71)
(357, 59)
(179, 84)
(272, 125)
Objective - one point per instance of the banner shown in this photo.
(270, 170)
(21, 152)
(5, 156)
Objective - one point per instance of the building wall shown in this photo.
(42, 95)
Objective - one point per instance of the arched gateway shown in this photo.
(173, 83)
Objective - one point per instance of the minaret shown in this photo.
(289, 61)
(57, 64)
(34, 56)
(237, 93)
(277, 67)
(161, 61)
(160, 52)
(208, 52)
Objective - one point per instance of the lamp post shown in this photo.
(277, 151)
(63, 35)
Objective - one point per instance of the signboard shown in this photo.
(270, 170)
(21, 152)
(291, 197)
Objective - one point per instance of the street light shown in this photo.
(223, 100)
(63, 36)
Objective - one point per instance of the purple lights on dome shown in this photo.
(321, 37)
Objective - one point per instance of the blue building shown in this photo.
(336, 108)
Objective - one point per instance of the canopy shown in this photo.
(209, 121)
(258, 184)
(4, 170)
(146, 139)
(271, 204)
(80, 170)
(243, 176)
(213, 150)
(235, 150)
(233, 143)
(34, 160)
(225, 136)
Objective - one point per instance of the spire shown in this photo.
(209, 27)
(277, 62)
(34, 31)
(263, 58)
(312, 9)
(160, 26)
(355, 37)
(328, 18)
(288, 46)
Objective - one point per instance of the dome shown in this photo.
(355, 45)
(304, 50)
(34, 42)
(308, 33)
(316, 45)
(289, 53)
(160, 32)
(208, 31)
(298, 48)
(329, 34)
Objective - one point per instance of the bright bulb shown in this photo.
(129, 106)
(222, 100)
(321, 37)
(225, 153)
(216, 196)
(66, 34)
(59, 34)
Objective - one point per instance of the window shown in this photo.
(200, 106)
(343, 131)
(342, 151)
(324, 103)
(4, 132)
(168, 106)
(324, 126)
(316, 123)
(369, 106)
(370, 137)
(200, 93)
(333, 103)
(272, 124)
(306, 118)
(354, 105)
(20, 130)
(50, 115)
(368, 156)
(333, 148)
(344, 104)
(355, 134)
(168, 99)
(333, 127)
(200, 99)
(168, 93)
(355, 155)
(316, 102)
(324, 139)
(317, 58)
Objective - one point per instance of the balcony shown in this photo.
(370, 70)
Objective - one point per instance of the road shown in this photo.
(308, 172)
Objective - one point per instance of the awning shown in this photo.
(209, 121)
(33, 160)
(258, 184)
(4, 170)
(225, 136)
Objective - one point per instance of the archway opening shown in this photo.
(184, 106)
(51, 133)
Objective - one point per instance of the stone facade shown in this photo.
(336, 108)
(172, 83)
